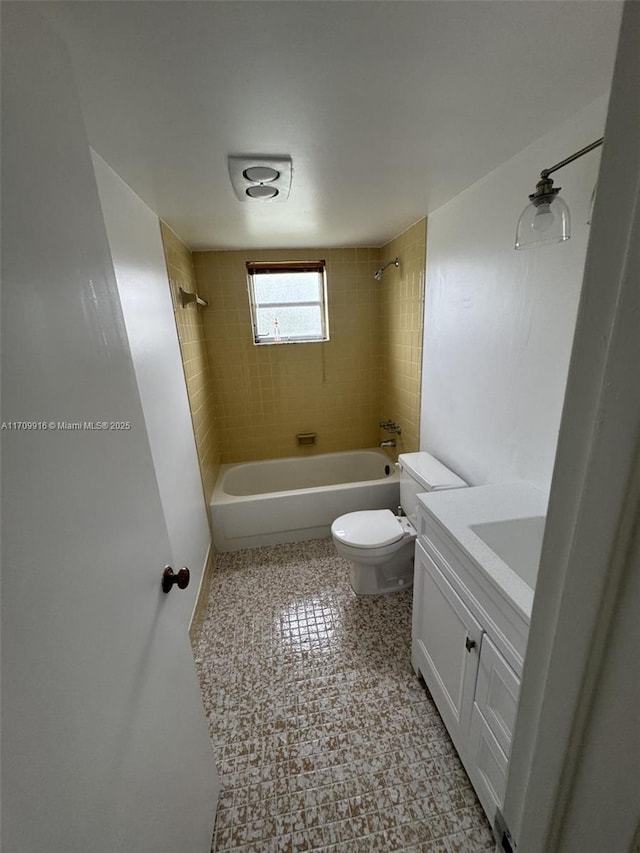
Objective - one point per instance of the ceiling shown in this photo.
(387, 109)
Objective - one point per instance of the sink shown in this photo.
(500, 528)
(517, 542)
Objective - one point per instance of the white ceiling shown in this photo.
(388, 109)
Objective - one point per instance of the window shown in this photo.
(288, 301)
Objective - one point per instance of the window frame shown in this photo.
(279, 267)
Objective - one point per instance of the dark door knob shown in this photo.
(169, 578)
(470, 644)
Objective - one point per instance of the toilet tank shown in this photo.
(421, 472)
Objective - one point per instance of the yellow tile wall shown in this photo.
(265, 395)
(195, 358)
(402, 311)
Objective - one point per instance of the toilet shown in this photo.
(380, 545)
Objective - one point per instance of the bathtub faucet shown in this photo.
(390, 442)
(390, 426)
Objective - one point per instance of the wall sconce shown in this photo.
(546, 218)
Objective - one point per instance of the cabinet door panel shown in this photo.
(445, 646)
(497, 693)
(487, 766)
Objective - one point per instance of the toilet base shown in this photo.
(392, 576)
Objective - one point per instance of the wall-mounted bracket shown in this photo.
(187, 298)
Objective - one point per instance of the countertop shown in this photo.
(455, 510)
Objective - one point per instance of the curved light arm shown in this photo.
(585, 150)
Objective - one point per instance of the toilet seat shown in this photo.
(379, 545)
(371, 529)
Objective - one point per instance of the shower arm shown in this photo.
(395, 262)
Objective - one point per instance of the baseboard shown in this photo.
(202, 598)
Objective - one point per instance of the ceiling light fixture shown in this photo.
(261, 174)
(546, 218)
(261, 191)
(260, 178)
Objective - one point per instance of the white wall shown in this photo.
(499, 323)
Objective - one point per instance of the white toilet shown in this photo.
(379, 544)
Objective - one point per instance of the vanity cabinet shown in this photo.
(445, 647)
(468, 643)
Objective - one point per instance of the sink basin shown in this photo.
(500, 528)
(518, 543)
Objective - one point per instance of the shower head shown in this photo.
(378, 273)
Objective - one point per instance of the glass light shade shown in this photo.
(542, 224)
(592, 202)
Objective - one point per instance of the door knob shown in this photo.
(470, 644)
(169, 578)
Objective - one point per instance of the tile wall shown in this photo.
(195, 358)
(265, 395)
(249, 402)
(402, 312)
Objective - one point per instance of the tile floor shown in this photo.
(324, 737)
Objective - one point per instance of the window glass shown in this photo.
(288, 302)
(288, 287)
(290, 322)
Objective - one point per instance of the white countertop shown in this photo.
(455, 511)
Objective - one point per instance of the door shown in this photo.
(105, 744)
(445, 646)
(133, 231)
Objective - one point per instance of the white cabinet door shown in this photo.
(445, 646)
(497, 693)
(105, 745)
(487, 765)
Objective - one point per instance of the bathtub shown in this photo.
(289, 500)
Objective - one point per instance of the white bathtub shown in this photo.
(289, 500)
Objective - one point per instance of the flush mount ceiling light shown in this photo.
(261, 191)
(261, 174)
(260, 178)
(546, 218)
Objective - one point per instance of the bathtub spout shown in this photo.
(390, 442)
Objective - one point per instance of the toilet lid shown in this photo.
(368, 529)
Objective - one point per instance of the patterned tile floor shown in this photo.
(324, 737)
